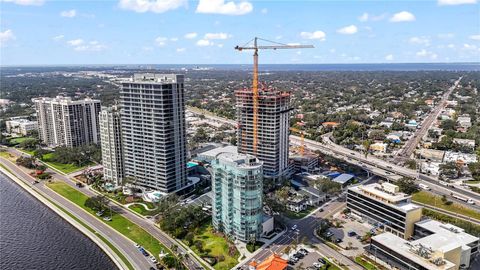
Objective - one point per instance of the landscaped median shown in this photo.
(436, 201)
(73, 220)
(119, 223)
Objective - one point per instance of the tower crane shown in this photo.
(255, 47)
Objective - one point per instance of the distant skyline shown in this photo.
(37, 32)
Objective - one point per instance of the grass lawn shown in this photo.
(364, 263)
(7, 155)
(294, 215)
(142, 211)
(19, 140)
(119, 223)
(473, 182)
(214, 245)
(30, 152)
(254, 247)
(65, 168)
(436, 201)
(329, 265)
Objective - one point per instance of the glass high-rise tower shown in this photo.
(153, 130)
(237, 186)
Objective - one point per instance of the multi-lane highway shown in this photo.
(374, 165)
(411, 144)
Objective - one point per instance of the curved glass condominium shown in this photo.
(238, 188)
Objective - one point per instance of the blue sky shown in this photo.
(205, 32)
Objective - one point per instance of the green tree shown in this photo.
(448, 170)
(475, 170)
(407, 185)
(97, 203)
(366, 146)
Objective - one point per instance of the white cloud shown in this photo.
(363, 17)
(425, 41)
(264, 11)
(220, 45)
(389, 57)
(190, 35)
(59, 37)
(204, 43)
(446, 35)
(469, 46)
(320, 35)
(155, 6)
(179, 50)
(174, 39)
(26, 2)
(426, 54)
(6, 36)
(216, 36)
(68, 13)
(82, 45)
(455, 2)
(75, 42)
(279, 37)
(161, 41)
(225, 8)
(450, 46)
(403, 16)
(474, 37)
(348, 30)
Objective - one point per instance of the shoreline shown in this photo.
(62, 213)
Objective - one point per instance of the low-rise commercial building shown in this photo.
(384, 205)
(459, 157)
(435, 246)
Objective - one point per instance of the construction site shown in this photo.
(271, 125)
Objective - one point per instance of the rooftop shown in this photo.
(387, 193)
(239, 160)
(343, 178)
(444, 235)
(418, 253)
(155, 78)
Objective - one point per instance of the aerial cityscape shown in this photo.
(240, 134)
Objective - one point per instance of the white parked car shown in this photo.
(152, 259)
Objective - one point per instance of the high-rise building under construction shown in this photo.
(271, 131)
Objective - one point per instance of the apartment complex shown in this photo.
(237, 185)
(21, 126)
(153, 130)
(384, 205)
(435, 246)
(273, 124)
(66, 122)
(111, 142)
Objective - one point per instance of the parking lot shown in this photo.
(307, 260)
(350, 234)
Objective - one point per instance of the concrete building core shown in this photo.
(272, 128)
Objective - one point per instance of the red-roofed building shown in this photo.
(330, 124)
(274, 262)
